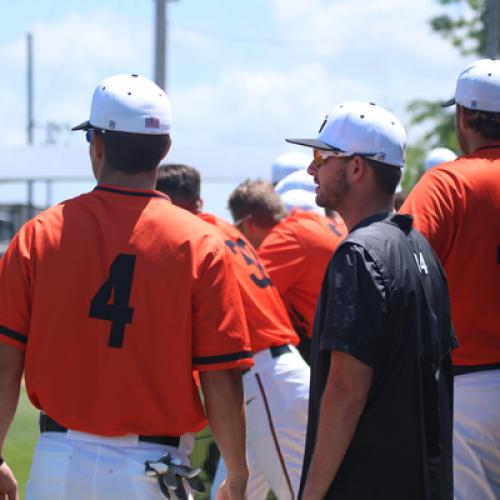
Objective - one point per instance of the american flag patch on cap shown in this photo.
(151, 122)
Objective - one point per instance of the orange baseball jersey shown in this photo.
(456, 206)
(267, 319)
(296, 253)
(117, 296)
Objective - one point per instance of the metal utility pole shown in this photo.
(30, 124)
(161, 42)
(492, 26)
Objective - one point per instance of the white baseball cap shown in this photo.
(298, 198)
(361, 128)
(438, 155)
(129, 103)
(296, 180)
(478, 87)
(287, 163)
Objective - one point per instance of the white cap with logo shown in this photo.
(361, 128)
(478, 87)
(438, 155)
(129, 103)
(287, 163)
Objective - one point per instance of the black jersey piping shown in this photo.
(130, 193)
(222, 358)
(13, 335)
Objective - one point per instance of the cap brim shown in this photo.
(312, 143)
(83, 126)
(449, 102)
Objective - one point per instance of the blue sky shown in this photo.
(241, 74)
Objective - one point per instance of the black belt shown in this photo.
(48, 424)
(464, 369)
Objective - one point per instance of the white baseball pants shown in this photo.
(476, 436)
(78, 466)
(277, 396)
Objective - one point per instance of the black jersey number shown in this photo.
(251, 259)
(116, 289)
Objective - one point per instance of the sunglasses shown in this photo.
(90, 132)
(321, 156)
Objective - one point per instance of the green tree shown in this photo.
(463, 23)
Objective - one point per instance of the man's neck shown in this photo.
(143, 180)
(355, 214)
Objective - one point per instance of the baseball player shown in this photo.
(276, 388)
(294, 247)
(456, 205)
(380, 413)
(108, 302)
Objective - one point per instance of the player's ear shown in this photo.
(199, 204)
(356, 168)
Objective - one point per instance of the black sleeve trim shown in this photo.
(14, 335)
(222, 358)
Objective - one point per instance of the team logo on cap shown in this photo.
(112, 125)
(152, 122)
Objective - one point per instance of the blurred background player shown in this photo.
(437, 156)
(294, 247)
(380, 412)
(456, 206)
(109, 301)
(286, 164)
(297, 190)
(277, 387)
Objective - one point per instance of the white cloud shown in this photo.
(247, 106)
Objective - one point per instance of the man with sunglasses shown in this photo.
(380, 411)
(108, 302)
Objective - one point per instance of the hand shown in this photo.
(8, 484)
(231, 490)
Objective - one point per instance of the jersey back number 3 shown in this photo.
(111, 302)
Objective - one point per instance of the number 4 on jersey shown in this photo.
(116, 288)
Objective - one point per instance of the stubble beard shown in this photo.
(332, 194)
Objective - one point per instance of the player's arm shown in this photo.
(11, 370)
(343, 402)
(225, 408)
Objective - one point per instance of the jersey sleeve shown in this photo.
(283, 257)
(15, 290)
(356, 307)
(221, 338)
(435, 207)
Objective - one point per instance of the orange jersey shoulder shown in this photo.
(268, 322)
